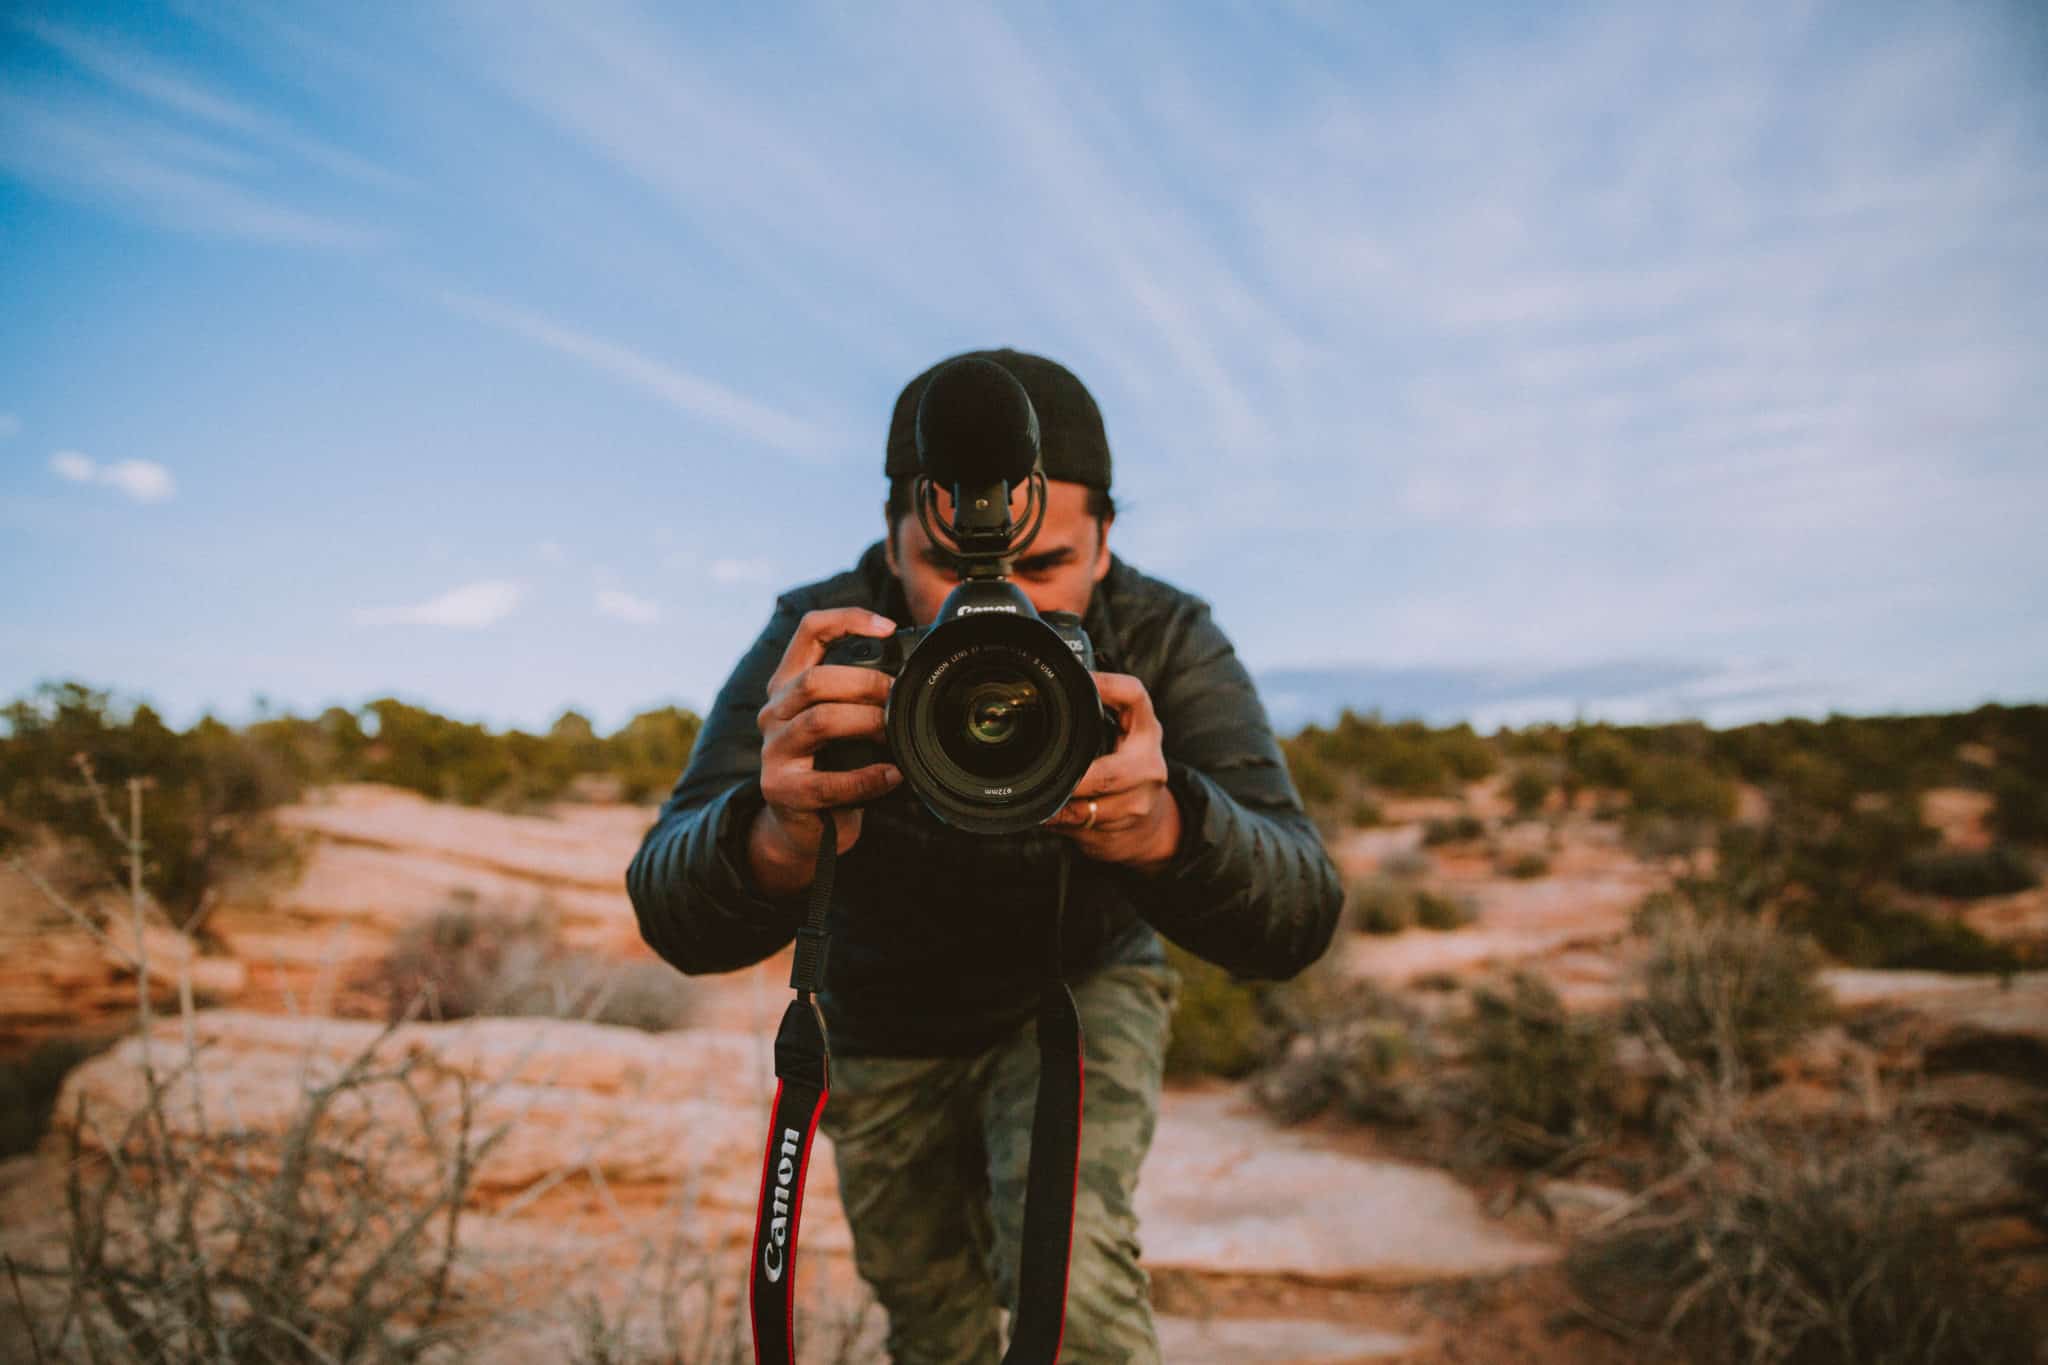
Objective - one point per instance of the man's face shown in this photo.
(1058, 573)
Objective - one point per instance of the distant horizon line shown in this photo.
(1326, 713)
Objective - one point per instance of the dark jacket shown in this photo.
(938, 936)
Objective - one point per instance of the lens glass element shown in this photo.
(991, 719)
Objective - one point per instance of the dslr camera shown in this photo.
(994, 716)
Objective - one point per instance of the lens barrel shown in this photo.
(993, 721)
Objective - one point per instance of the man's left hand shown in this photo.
(1122, 812)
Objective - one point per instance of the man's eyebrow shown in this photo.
(1050, 559)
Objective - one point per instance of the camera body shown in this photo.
(993, 717)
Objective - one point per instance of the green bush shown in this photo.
(1596, 756)
(1529, 866)
(209, 788)
(1544, 1080)
(1379, 905)
(1726, 992)
(2020, 807)
(1366, 813)
(1680, 786)
(1436, 911)
(1528, 789)
(1217, 1028)
(1458, 829)
(1969, 875)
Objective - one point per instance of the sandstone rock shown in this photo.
(1225, 1191)
(1261, 1341)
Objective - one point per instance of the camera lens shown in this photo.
(992, 722)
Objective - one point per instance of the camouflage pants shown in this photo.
(932, 1155)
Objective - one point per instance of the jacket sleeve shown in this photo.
(1250, 886)
(696, 899)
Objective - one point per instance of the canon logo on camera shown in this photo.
(973, 610)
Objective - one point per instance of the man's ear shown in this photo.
(889, 543)
(1102, 526)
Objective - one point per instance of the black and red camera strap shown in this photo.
(803, 1061)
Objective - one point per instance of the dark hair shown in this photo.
(1101, 505)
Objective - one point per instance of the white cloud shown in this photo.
(624, 606)
(10, 426)
(732, 571)
(142, 480)
(71, 465)
(472, 606)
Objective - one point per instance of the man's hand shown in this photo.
(809, 704)
(1122, 812)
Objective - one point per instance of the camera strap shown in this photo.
(803, 1058)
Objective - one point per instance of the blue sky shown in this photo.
(1501, 362)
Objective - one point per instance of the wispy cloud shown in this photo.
(624, 606)
(473, 606)
(701, 398)
(104, 156)
(734, 571)
(139, 74)
(142, 480)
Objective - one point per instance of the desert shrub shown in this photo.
(1434, 910)
(1655, 837)
(1969, 874)
(1543, 1080)
(2019, 808)
(1596, 756)
(1366, 813)
(465, 960)
(1529, 866)
(314, 1244)
(1725, 992)
(1403, 756)
(1387, 905)
(208, 788)
(189, 1237)
(1773, 1254)
(1313, 777)
(1217, 1028)
(1457, 829)
(1379, 905)
(1528, 789)
(29, 1086)
(1347, 1047)
(1907, 940)
(651, 750)
(1409, 864)
(1833, 875)
(1680, 786)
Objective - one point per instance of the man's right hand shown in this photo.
(809, 704)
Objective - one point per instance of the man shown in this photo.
(1190, 829)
